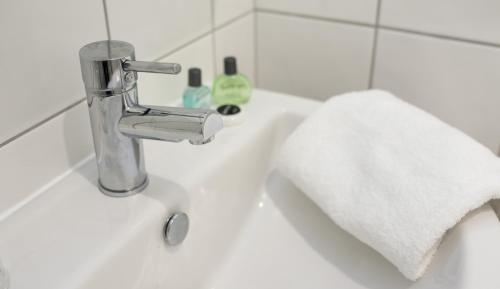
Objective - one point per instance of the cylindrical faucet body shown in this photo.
(120, 159)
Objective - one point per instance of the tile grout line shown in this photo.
(214, 43)
(106, 19)
(440, 36)
(313, 17)
(375, 44)
(40, 123)
(233, 20)
(382, 27)
(255, 45)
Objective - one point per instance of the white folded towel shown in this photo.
(390, 174)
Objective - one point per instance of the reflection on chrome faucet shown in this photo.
(119, 122)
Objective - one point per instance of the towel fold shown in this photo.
(390, 174)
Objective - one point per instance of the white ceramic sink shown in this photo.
(250, 228)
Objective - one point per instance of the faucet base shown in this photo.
(118, 194)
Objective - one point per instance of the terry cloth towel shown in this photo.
(392, 175)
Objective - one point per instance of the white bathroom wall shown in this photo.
(469, 20)
(443, 56)
(40, 70)
(458, 82)
(310, 57)
(315, 48)
(44, 126)
(156, 27)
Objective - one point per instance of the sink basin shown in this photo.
(250, 227)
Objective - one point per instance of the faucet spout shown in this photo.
(173, 124)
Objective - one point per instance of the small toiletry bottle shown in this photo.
(231, 87)
(196, 95)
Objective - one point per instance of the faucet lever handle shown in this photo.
(153, 67)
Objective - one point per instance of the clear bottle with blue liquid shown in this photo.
(196, 95)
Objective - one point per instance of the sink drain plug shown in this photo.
(176, 229)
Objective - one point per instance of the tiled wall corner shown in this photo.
(456, 81)
(237, 40)
(362, 11)
(227, 10)
(312, 58)
(40, 72)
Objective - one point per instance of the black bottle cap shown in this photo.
(194, 77)
(230, 65)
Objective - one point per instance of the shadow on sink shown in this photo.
(356, 260)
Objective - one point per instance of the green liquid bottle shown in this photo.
(196, 95)
(231, 87)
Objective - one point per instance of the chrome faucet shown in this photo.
(119, 122)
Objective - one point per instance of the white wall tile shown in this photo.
(41, 155)
(226, 10)
(237, 40)
(312, 58)
(158, 89)
(156, 27)
(352, 10)
(458, 82)
(40, 72)
(477, 20)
